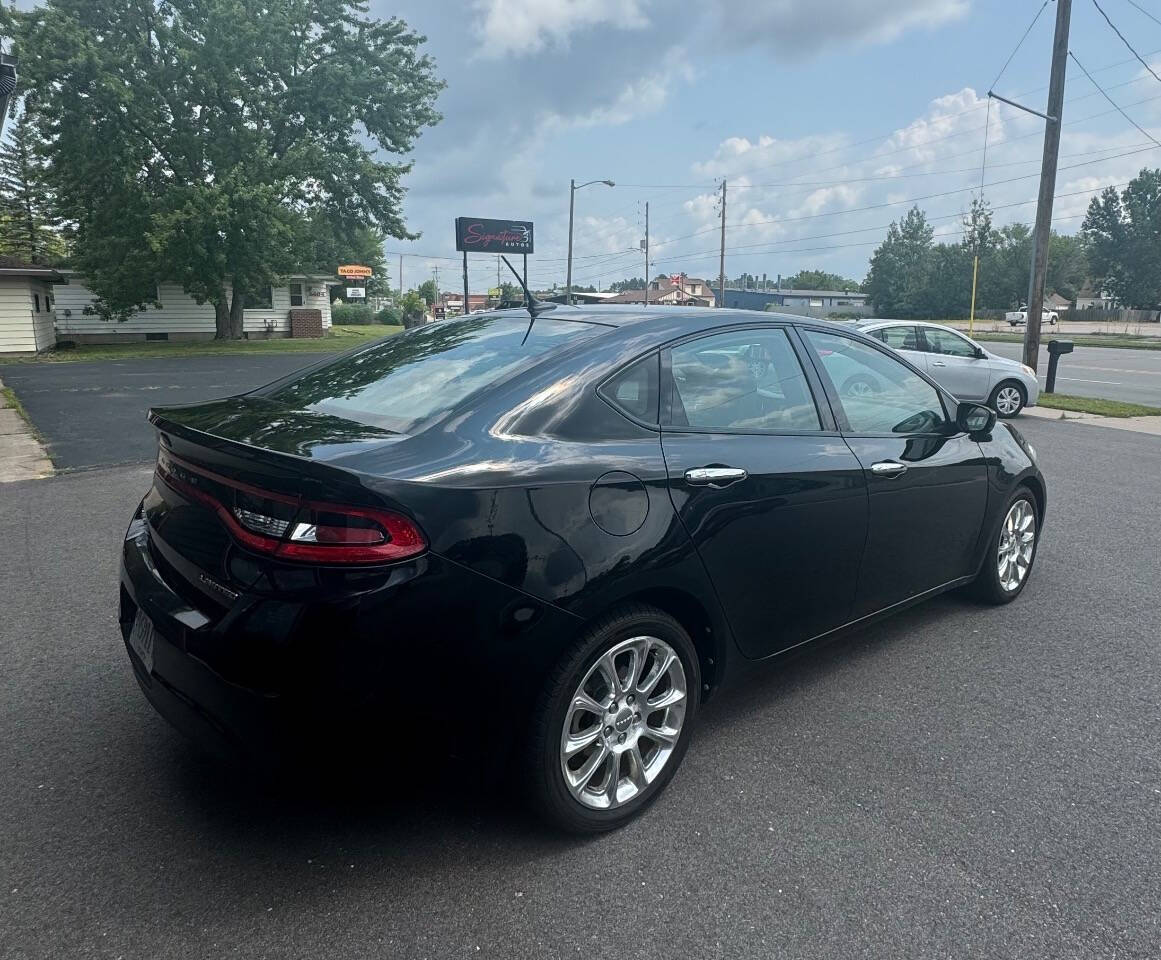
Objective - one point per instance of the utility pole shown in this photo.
(646, 253)
(400, 274)
(722, 260)
(1043, 231)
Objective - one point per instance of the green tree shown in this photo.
(1122, 235)
(208, 141)
(631, 283)
(428, 291)
(900, 268)
(28, 225)
(820, 280)
(412, 306)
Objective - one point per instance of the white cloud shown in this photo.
(645, 95)
(528, 26)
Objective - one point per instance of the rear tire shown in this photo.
(1008, 399)
(1011, 554)
(636, 735)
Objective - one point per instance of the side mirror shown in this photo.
(975, 418)
(981, 353)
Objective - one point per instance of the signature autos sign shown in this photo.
(475, 235)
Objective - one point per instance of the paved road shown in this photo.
(956, 782)
(93, 412)
(1076, 329)
(1132, 375)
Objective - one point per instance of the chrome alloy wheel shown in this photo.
(1017, 541)
(623, 722)
(1008, 400)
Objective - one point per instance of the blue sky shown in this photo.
(812, 109)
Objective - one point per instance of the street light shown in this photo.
(573, 187)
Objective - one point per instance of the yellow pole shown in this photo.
(972, 315)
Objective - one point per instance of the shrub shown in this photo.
(352, 313)
(390, 316)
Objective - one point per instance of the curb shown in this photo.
(1147, 425)
(22, 456)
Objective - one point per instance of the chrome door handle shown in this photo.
(888, 468)
(938, 363)
(715, 476)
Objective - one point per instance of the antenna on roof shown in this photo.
(534, 307)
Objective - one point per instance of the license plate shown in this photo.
(141, 639)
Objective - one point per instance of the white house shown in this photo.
(26, 306)
(180, 317)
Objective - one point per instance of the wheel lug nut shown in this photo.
(613, 707)
(608, 731)
(637, 717)
(621, 738)
(629, 699)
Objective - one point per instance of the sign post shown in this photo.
(478, 235)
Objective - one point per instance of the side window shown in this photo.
(741, 380)
(296, 294)
(36, 300)
(877, 392)
(903, 337)
(947, 343)
(261, 300)
(634, 389)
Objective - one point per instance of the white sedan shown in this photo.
(959, 365)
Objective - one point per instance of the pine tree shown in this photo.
(28, 228)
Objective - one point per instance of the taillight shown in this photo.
(295, 529)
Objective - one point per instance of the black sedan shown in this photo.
(564, 534)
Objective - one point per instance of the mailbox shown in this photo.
(1056, 349)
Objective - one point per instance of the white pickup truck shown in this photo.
(1017, 317)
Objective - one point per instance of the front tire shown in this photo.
(1011, 554)
(614, 721)
(1008, 399)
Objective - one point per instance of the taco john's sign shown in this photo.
(476, 235)
(352, 270)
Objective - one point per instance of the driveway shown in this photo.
(92, 413)
(955, 782)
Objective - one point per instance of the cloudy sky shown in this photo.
(825, 116)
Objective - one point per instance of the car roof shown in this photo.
(868, 323)
(642, 318)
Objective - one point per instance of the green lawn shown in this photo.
(1089, 340)
(341, 338)
(1097, 405)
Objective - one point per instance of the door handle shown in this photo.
(888, 468)
(938, 363)
(715, 476)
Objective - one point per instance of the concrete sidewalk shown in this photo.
(1147, 425)
(22, 457)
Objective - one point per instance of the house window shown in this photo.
(262, 300)
(296, 295)
(36, 300)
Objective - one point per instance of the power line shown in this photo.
(1144, 11)
(1100, 9)
(1110, 100)
(1019, 44)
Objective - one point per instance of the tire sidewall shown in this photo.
(989, 580)
(996, 393)
(561, 806)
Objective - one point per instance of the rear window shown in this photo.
(417, 375)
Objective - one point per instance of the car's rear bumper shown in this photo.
(275, 679)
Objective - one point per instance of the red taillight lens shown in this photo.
(293, 529)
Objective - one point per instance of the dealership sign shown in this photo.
(476, 235)
(353, 270)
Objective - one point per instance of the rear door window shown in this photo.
(902, 337)
(414, 376)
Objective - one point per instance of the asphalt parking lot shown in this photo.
(956, 782)
(92, 413)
